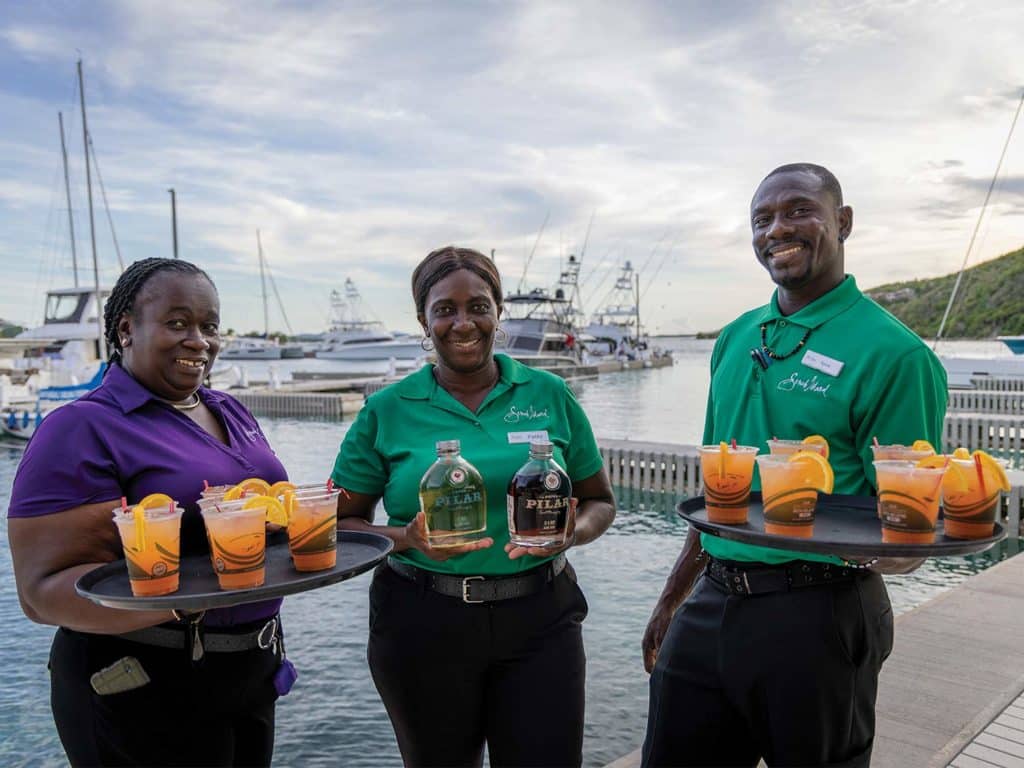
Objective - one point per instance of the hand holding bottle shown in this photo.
(417, 538)
(515, 551)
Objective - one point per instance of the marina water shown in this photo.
(333, 715)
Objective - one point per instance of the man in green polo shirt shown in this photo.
(775, 654)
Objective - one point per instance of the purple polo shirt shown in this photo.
(121, 440)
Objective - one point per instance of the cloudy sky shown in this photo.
(358, 136)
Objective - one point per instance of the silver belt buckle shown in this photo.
(465, 588)
(264, 644)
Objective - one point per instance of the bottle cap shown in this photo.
(447, 446)
(541, 446)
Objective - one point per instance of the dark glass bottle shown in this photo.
(538, 500)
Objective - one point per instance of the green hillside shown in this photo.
(990, 301)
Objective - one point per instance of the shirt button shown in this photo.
(782, 323)
(476, 423)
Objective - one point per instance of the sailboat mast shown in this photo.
(67, 191)
(101, 348)
(174, 222)
(263, 282)
(977, 224)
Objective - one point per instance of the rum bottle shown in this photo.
(453, 498)
(538, 500)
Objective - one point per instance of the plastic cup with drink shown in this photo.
(238, 540)
(790, 484)
(151, 538)
(908, 498)
(727, 471)
(969, 508)
(313, 528)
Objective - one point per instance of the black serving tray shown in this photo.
(357, 552)
(843, 525)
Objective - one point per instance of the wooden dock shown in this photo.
(952, 692)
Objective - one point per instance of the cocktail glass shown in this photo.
(153, 553)
(313, 529)
(897, 452)
(789, 495)
(727, 472)
(908, 501)
(238, 542)
(969, 511)
(788, 447)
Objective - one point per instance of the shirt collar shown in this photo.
(422, 384)
(819, 311)
(130, 395)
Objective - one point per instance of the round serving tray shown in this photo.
(843, 525)
(357, 552)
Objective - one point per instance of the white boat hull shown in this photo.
(400, 350)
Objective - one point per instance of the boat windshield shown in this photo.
(65, 307)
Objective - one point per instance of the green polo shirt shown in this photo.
(391, 445)
(861, 374)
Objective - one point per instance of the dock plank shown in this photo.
(993, 756)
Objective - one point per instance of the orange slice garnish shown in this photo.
(962, 453)
(817, 440)
(922, 445)
(994, 468)
(820, 474)
(247, 486)
(278, 488)
(275, 509)
(155, 500)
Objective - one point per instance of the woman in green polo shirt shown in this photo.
(481, 643)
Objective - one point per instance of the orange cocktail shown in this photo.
(908, 501)
(969, 508)
(727, 472)
(237, 534)
(313, 529)
(152, 547)
(790, 484)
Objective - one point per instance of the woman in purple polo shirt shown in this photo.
(209, 682)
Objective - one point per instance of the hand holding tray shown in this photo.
(357, 552)
(846, 526)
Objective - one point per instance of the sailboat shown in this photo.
(68, 349)
(255, 347)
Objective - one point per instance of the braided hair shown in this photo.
(122, 298)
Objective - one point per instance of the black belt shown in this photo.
(759, 579)
(482, 589)
(262, 637)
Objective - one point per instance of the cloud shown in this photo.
(358, 137)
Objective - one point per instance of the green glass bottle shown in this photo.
(453, 498)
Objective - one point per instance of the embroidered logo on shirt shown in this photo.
(516, 415)
(812, 384)
(253, 435)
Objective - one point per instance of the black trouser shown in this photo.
(217, 713)
(454, 675)
(789, 676)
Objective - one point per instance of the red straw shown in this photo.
(874, 440)
(774, 437)
(170, 508)
(124, 505)
(206, 486)
(981, 474)
(732, 443)
(345, 493)
(330, 484)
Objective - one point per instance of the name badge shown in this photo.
(537, 436)
(823, 363)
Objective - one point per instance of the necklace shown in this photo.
(775, 355)
(193, 403)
